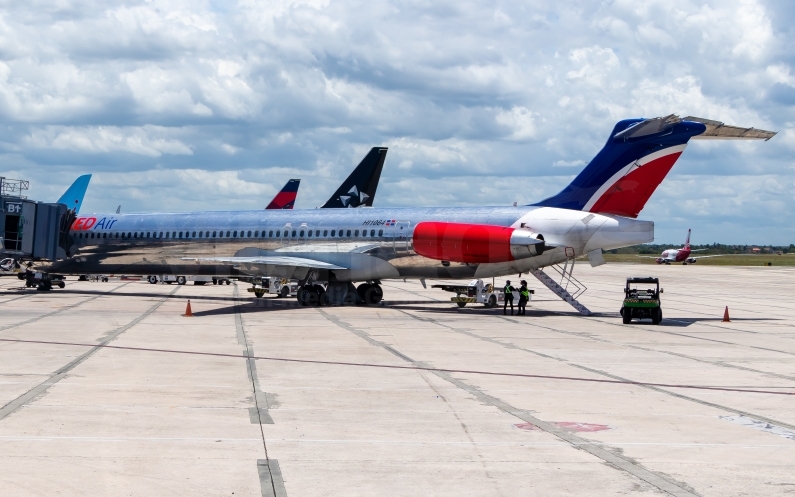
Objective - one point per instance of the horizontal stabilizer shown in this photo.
(716, 130)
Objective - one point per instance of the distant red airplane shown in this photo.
(680, 255)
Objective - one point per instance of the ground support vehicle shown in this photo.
(281, 287)
(42, 281)
(182, 280)
(477, 292)
(640, 303)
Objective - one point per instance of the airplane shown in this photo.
(285, 199)
(358, 189)
(73, 196)
(330, 250)
(680, 255)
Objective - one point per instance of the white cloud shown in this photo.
(148, 140)
(520, 121)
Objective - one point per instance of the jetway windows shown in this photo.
(13, 233)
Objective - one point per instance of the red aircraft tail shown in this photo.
(687, 241)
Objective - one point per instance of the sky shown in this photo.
(214, 105)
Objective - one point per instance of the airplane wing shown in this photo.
(706, 256)
(698, 250)
(269, 260)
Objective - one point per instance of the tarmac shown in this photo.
(107, 389)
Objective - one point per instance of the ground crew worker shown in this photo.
(508, 297)
(524, 296)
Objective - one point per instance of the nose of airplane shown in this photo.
(617, 232)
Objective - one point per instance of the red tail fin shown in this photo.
(687, 241)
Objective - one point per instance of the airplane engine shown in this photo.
(660, 260)
(475, 243)
(691, 260)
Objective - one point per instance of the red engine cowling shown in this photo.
(475, 243)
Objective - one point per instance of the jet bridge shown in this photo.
(31, 230)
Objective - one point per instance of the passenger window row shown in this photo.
(230, 234)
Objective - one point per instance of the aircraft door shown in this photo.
(401, 241)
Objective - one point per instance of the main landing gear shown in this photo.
(311, 295)
(342, 294)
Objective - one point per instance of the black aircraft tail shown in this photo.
(359, 189)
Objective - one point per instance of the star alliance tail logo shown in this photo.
(355, 199)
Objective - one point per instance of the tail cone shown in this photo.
(726, 315)
(189, 313)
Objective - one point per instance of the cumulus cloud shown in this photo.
(479, 102)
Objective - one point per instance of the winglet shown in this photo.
(358, 190)
(73, 196)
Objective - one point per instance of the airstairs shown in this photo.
(561, 289)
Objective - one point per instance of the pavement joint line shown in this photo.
(62, 309)
(270, 475)
(60, 374)
(600, 451)
(649, 386)
(676, 354)
(705, 339)
(392, 366)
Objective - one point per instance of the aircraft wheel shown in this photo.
(373, 294)
(361, 290)
(461, 304)
(152, 279)
(306, 296)
(321, 295)
(181, 280)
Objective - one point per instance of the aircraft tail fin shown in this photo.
(285, 199)
(687, 240)
(73, 196)
(358, 190)
(635, 160)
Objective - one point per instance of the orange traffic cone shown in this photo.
(188, 312)
(726, 315)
